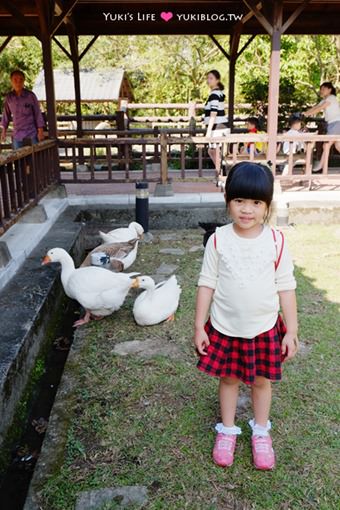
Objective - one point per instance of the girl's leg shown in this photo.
(261, 393)
(263, 453)
(337, 146)
(215, 155)
(212, 154)
(319, 166)
(228, 393)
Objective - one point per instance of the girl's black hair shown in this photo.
(255, 121)
(218, 77)
(250, 180)
(329, 85)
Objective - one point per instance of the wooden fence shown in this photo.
(25, 175)
(179, 156)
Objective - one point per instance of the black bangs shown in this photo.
(250, 180)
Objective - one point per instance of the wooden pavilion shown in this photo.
(46, 19)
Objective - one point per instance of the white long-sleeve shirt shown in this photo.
(332, 111)
(296, 146)
(242, 273)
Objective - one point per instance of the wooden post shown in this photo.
(274, 82)
(231, 92)
(73, 41)
(191, 110)
(233, 49)
(45, 39)
(164, 158)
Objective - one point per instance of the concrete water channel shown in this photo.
(36, 323)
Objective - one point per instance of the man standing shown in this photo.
(22, 106)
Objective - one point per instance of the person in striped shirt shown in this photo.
(214, 116)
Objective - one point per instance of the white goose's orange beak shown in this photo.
(46, 260)
(135, 283)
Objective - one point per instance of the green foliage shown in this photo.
(306, 61)
(173, 69)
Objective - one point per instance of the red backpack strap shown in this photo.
(215, 240)
(278, 255)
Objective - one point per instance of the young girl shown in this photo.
(253, 126)
(214, 116)
(331, 107)
(247, 274)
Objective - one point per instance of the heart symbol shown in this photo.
(166, 16)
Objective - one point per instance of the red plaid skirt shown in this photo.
(244, 358)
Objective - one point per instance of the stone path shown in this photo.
(147, 348)
(131, 496)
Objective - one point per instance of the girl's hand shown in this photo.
(201, 341)
(290, 346)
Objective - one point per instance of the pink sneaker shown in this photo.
(263, 453)
(223, 452)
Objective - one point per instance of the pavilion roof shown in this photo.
(91, 17)
(96, 86)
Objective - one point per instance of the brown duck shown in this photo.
(121, 255)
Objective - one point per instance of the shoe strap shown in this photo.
(262, 445)
(226, 443)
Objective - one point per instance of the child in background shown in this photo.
(295, 129)
(247, 274)
(253, 126)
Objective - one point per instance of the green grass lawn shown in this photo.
(150, 422)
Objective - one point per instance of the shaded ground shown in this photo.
(149, 420)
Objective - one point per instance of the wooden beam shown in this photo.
(19, 16)
(252, 5)
(67, 9)
(234, 41)
(294, 15)
(274, 83)
(4, 44)
(46, 43)
(245, 46)
(58, 43)
(83, 53)
(73, 40)
(220, 47)
(43, 14)
(248, 16)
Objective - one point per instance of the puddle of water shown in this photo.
(15, 482)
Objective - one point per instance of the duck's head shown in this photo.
(138, 228)
(55, 255)
(143, 282)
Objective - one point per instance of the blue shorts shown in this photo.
(333, 128)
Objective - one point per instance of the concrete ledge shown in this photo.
(27, 304)
(163, 190)
(5, 256)
(24, 235)
(37, 214)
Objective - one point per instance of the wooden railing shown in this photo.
(25, 175)
(178, 156)
(285, 164)
(111, 156)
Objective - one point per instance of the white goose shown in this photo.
(119, 235)
(158, 302)
(100, 291)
